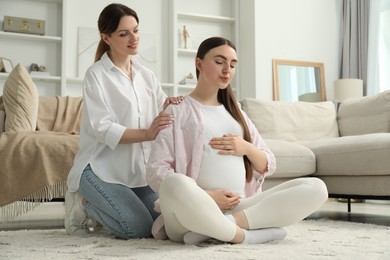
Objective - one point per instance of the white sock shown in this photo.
(259, 236)
(193, 238)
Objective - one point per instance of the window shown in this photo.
(378, 76)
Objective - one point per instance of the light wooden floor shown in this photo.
(51, 214)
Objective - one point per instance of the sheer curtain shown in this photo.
(378, 75)
(355, 40)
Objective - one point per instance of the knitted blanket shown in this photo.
(34, 165)
(34, 168)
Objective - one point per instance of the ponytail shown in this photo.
(101, 49)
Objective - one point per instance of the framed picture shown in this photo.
(6, 65)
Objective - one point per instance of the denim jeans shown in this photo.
(126, 212)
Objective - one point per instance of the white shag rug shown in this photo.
(309, 239)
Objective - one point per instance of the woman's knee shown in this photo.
(176, 183)
(318, 188)
(133, 229)
(324, 190)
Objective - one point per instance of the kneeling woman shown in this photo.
(209, 165)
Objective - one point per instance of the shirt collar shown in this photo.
(109, 65)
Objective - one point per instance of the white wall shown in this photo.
(85, 14)
(307, 30)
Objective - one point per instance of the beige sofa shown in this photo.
(349, 149)
(39, 137)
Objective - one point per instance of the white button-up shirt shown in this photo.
(112, 103)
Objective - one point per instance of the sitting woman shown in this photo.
(209, 165)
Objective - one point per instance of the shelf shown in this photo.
(44, 1)
(26, 36)
(179, 86)
(46, 78)
(167, 85)
(187, 51)
(186, 86)
(48, 1)
(219, 19)
(80, 80)
(47, 49)
(3, 75)
(74, 80)
(36, 78)
(208, 18)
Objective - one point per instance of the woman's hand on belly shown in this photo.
(230, 144)
(226, 200)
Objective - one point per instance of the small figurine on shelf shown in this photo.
(42, 68)
(185, 36)
(34, 67)
(188, 80)
(36, 70)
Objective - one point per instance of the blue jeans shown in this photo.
(126, 212)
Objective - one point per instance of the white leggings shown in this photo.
(187, 207)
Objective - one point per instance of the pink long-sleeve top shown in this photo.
(179, 148)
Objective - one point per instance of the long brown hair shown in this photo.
(108, 22)
(226, 96)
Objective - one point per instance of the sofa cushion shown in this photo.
(20, 101)
(292, 159)
(352, 155)
(292, 121)
(365, 115)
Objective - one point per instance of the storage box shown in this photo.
(23, 25)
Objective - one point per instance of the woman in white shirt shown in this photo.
(209, 164)
(121, 116)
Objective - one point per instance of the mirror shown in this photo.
(298, 81)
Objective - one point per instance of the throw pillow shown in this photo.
(366, 115)
(292, 121)
(20, 101)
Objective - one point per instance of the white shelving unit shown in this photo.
(44, 50)
(218, 19)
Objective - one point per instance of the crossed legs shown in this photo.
(186, 207)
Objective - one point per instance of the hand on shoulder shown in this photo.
(173, 100)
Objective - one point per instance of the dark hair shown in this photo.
(108, 22)
(226, 96)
